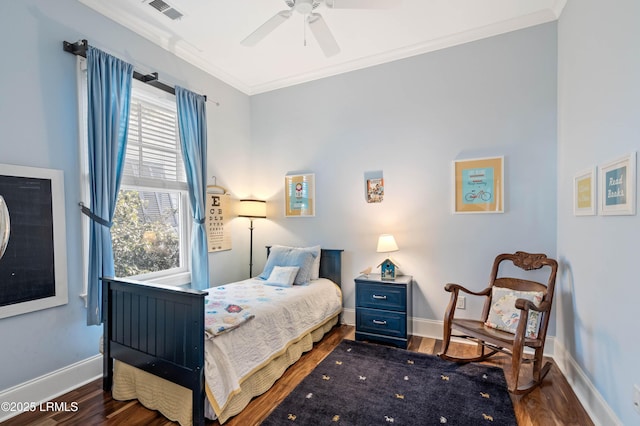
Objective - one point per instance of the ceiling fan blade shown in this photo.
(323, 35)
(265, 29)
(362, 4)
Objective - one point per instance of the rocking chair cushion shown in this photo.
(504, 315)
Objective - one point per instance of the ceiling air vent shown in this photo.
(166, 9)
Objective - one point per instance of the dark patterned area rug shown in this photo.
(367, 384)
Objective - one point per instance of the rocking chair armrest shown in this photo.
(454, 288)
(527, 305)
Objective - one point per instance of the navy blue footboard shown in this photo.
(159, 329)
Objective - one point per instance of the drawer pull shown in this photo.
(375, 296)
(378, 322)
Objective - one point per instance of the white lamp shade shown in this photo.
(252, 209)
(386, 244)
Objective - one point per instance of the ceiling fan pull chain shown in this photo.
(318, 27)
(304, 30)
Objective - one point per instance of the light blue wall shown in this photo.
(599, 121)
(39, 122)
(411, 119)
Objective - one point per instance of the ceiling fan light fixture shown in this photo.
(315, 21)
(303, 6)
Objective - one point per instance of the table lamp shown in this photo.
(387, 244)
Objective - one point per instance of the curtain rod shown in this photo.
(79, 48)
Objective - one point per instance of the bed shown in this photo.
(159, 347)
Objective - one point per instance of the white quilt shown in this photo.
(282, 316)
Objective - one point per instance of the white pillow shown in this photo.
(503, 314)
(282, 276)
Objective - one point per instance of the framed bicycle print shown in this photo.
(300, 195)
(618, 186)
(584, 193)
(478, 185)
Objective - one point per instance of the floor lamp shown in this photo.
(252, 209)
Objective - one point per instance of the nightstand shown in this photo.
(384, 309)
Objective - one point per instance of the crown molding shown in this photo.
(193, 55)
(181, 49)
(541, 17)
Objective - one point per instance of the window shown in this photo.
(151, 226)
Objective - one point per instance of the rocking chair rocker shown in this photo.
(500, 329)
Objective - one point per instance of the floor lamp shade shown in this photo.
(255, 209)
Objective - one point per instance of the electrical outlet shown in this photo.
(461, 303)
(636, 398)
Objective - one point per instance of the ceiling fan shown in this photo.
(316, 22)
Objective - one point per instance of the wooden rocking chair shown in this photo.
(499, 329)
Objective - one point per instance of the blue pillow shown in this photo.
(315, 251)
(290, 256)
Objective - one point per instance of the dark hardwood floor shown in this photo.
(554, 403)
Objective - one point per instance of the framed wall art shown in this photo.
(300, 198)
(478, 185)
(375, 190)
(33, 268)
(618, 186)
(374, 186)
(584, 193)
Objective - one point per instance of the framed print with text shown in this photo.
(584, 193)
(300, 198)
(618, 186)
(478, 185)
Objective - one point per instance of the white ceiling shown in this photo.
(209, 33)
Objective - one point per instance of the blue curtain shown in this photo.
(192, 121)
(109, 96)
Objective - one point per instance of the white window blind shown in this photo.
(153, 156)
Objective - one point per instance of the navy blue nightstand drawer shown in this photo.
(381, 296)
(383, 309)
(381, 322)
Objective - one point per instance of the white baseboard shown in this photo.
(348, 316)
(52, 385)
(592, 401)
